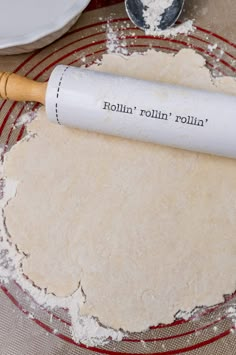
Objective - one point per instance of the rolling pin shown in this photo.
(154, 112)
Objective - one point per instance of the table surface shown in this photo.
(218, 17)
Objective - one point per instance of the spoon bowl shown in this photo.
(135, 10)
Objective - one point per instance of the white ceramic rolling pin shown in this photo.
(148, 111)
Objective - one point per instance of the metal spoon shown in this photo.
(135, 10)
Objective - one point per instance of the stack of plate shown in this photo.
(26, 25)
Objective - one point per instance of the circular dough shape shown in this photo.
(146, 230)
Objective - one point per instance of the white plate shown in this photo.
(23, 23)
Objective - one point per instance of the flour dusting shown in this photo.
(116, 42)
(25, 118)
(153, 12)
(183, 28)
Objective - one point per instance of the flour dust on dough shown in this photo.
(147, 230)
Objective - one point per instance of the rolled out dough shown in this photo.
(147, 230)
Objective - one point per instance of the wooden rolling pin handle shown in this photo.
(17, 88)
